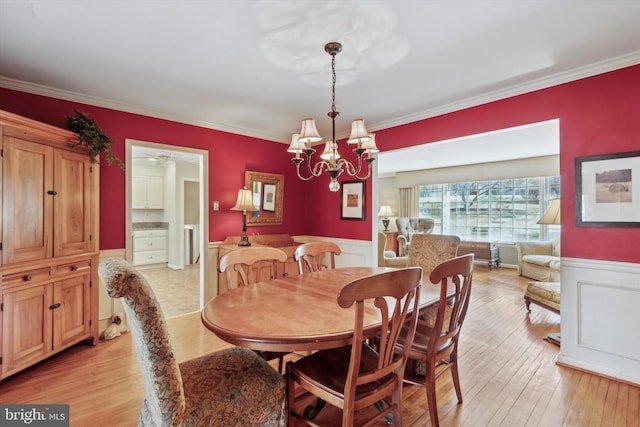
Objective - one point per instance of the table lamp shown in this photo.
(385, 211)
(552, 215)
(244, 204)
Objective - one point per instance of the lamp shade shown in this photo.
(385, 211)
(245, 201)
(296, 146)
(359, 132)
(552, 215)
(370, 145)
(309, 132)
(330, 152)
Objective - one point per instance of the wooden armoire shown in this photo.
(50, 247)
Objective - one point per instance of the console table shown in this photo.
(485, 251)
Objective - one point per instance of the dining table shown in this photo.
(296, 313)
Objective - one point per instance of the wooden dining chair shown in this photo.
(248, 263)
(358, 376)
(315, 256)
(207, 390)
(436, 339)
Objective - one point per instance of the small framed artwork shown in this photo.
(269, 197)
(352, 200)
(608, 190)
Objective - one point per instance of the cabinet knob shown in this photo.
(26, 277)
(54, 306)
(52, 192)
(74, 268)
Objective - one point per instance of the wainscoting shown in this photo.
(600, 326)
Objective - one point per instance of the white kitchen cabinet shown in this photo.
(147, 192)
(149, 247)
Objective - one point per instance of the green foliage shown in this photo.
(92, 137)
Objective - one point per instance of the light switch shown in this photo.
(216, 205)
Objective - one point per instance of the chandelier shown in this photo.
(331, 162)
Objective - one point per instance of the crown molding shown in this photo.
(533, 85)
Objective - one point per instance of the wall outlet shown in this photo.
(216, 205)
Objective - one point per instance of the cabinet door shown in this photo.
(72, 203)
(71, 318)
(155, 192)
(138, 192)
(27, 320)
(27, 201)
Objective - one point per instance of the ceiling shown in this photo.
(257, 67)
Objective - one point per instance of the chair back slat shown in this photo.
(316, 256)
(247, 263)
(396, 295)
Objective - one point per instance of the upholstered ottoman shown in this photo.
(545, 294)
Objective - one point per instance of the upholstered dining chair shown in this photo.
(436, 338)
(233, 386)
(357, 376)
(315, 256)
(429, 250)
(247, 263)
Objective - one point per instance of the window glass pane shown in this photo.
(501, 210)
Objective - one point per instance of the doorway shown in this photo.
(177, 270)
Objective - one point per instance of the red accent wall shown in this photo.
(597, 115)
(229, 156)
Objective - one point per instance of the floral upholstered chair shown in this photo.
(427, 251)
(231, 387)
(407, 227)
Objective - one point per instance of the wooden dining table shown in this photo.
(296, 313)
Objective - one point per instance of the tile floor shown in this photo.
(177, 290)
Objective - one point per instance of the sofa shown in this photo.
(388, 258)
(407, 227)
(539, 260)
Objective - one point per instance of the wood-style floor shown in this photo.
(508, 373)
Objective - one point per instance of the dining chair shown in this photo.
(429, 250)
(357, 376)
(315, 256)
(248, 263)
(436, 339)
(233, 386)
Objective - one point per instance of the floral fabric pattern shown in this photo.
(231, 387)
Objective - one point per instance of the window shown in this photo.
(500, 210)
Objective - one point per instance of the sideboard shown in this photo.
(484, 251)
(280, 241)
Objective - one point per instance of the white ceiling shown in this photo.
(257, 67)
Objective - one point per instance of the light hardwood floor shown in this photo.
(508, 373)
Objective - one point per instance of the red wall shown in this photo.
(597, 115)
(229, 156)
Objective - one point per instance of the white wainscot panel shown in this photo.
(600, 320)
(601, 325)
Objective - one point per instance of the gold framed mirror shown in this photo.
(268, 190)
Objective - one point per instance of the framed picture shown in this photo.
(352, 200)
(269, 197)
(608, 190)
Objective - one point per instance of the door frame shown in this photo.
(204, 195)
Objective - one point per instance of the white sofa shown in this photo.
(539, 260)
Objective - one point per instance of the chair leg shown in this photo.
(430, 387)
(291, 397)
(456, 380)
